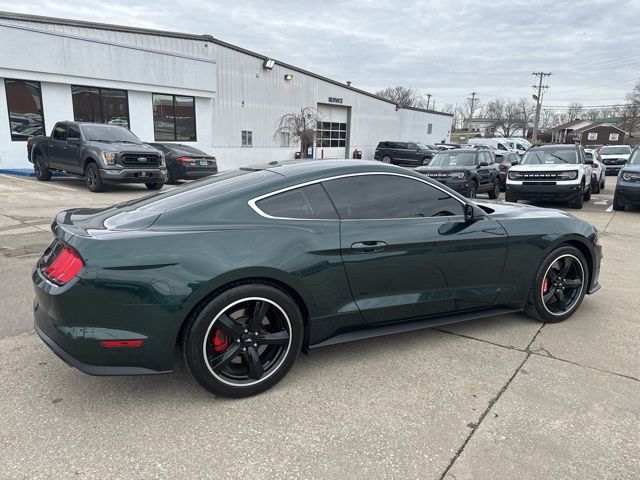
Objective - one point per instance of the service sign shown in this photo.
(335, 100)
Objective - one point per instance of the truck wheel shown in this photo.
(587, 194)
(471, 190)
(495, 191)
(40, 168)
(93, 179)
(154, 186)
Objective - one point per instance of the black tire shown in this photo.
(579, 200)
(92, 178)
(171, 179)
(236, 312)
(472, 190)
(495, 192)
(595, 188)
(386, 159)
(603, 181)
(510, 198)
(544, 303)
(618, 206)
(154, 186)
(587, 193)
(425, 161)
(40, 169)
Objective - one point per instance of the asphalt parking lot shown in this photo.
(496, 398)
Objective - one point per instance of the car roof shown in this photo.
(294, 168)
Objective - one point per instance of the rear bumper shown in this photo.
(192, 173)
(134, 175)
(543, 192)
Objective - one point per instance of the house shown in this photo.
(563, 133)
(599, 133)
(486, 127)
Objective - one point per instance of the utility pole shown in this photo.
(428, 100)
(538, 98)
(473, 106)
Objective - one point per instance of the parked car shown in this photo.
(504, 161)
(551, 172)
(403, 153)
(245, 269)
(102, 154)
(597, 170)
(185, 162)
(517, 146)
(614, 157)
(467, 171)
(593, 147)
(449, 146)
(495, 143)
(628, 187)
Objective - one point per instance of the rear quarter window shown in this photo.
(310, 202)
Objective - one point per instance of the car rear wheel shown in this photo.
(154, 186)
(243, 341)
(40, 169)
(559, 286)
(495, 192)
(386, 159)
(92, 178)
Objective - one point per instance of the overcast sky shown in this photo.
(448, 48)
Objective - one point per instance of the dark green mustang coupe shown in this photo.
(244, 269)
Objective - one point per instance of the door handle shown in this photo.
(368, 246)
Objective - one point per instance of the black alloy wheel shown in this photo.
(559, 286)
(92, 178)
(248, 345)
(495, 192)
(40, 169)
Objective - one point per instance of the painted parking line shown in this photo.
(33, 183)
(610, 209)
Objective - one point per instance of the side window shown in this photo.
(501, 146)
(74, 132)
(402, 145)
(389, 196)
(412, 146)
(309, 202)
(59, 132)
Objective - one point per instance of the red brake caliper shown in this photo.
(545, 285)
(220, 340)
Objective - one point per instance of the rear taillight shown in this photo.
(184, 159)
(66, 265)
(594, 165)
(29, 143)
(503, 166)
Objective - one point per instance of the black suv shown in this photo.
(468, 171)
(409, 153)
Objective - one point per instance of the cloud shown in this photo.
(445, 48)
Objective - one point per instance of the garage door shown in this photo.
(333, 131)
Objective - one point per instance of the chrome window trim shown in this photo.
(253, 202)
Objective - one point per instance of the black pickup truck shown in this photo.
(101, 153)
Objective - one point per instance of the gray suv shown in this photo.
(408, 153)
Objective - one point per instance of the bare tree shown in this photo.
(592, 114)
(631, 113)
(504, 115)
(403, 96)
(300, 126)
(526, 111)
(575, 110)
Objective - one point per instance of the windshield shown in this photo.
(549, 156)
(108, 133)
(622, 150)
(422, 146)
(635, 158)
(453, 159)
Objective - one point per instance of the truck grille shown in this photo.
(140, 160)
(614, 161)
(538, 175)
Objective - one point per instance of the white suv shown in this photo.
(551, 172)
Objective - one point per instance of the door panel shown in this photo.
(422, 266)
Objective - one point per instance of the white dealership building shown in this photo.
(176, 87)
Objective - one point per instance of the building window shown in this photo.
(429, 128)
(592, 136)
(100, 105)
(285, 139)
(331, 134)
(24, 103)
(174, 118)
(613, 137)
(247, 138)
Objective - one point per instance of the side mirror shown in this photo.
(483, 164)
(514, 163)
(469, 213)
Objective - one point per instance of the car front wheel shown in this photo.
(92, 178)
(154, 186)
(386, 159)
(618, 206)
(244, 340)
(472, 190)
(495, 191)
(559, 286)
